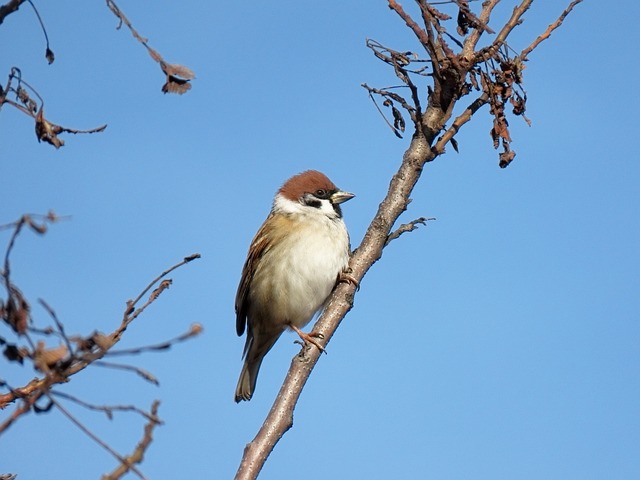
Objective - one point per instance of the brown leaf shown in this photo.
(46, 358)
(463, 23)
(196, 329)
(15, 354)
(506, 158)
(47, 131)
(454, 144)
(176, 85)
(398, 121)
(175, 70)
(49, 56)
(16, 312)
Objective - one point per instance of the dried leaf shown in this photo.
(176, 85)
(463, 23)
(46, 358)
(506, 158)
(45, 409)
(398, 121)
(454, 144)
(16, 313)
(49, 56)
(47, 131)
(104, 342)
(196, 329)
(175, 70)
(15, 354)
(519, 104)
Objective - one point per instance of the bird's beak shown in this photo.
(340, 197)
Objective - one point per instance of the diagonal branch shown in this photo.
(9, 7)
(547, 33)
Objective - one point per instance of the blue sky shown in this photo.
(500, 341)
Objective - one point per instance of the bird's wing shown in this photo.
(260, 244)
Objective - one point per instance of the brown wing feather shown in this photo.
(260, 244)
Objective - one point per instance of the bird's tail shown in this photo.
(248, 378)
(255, 350)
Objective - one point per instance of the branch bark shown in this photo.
(450, 73)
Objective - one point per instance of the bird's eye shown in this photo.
(322, 193)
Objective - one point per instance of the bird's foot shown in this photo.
(346, 277)
(309, 338)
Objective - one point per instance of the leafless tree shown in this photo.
(47, 347)
(59, 357)
(456, 66)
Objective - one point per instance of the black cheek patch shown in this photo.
(312, 202)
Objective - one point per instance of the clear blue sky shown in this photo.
(502, 341)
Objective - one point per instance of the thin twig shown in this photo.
(148, 376)
(406, 227)
(94, 437)
(195, 330)
(138, 454)
(53, 315)
(549, 30)
(108, 409)
(131, 313)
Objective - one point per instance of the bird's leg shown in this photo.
(346, 277)
(309, 337)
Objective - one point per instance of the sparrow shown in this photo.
(294, 261)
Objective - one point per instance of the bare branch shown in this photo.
(177, 76)
(46, 130)
(90, 349)
(549, 30)
(48, 52)
(196, 329)
(95, 438)
(148, 376)
(8, 8)
(131, 313)
(108, 410)
(454, 76)
(406, 227)
(137, 455)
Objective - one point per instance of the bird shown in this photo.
(295, 259)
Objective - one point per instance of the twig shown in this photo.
(406, 227)
(58, 324)
(94, 437)
(37, 386)
(108, 409)
(131, 313)
(10, 7)
(196, 329)
(138, 454)
(549, 30)
(48, 53)
(463, 118)
(137, 370)
(450, 76)
(177, 76)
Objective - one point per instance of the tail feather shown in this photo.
(247, 380)
(255, 350)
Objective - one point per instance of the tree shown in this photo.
(426, 138)
(493, 75)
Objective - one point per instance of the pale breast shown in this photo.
(309, 260)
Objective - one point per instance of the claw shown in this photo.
(346, 277)
(308, 338)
